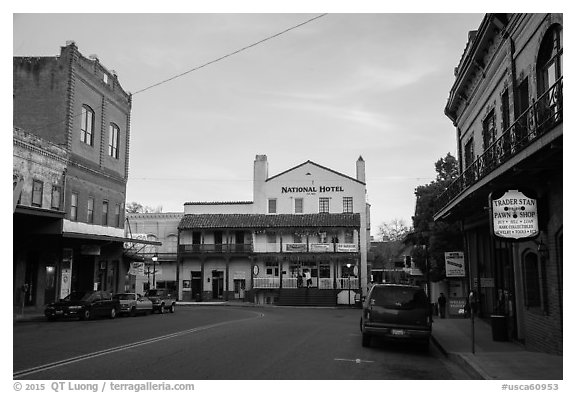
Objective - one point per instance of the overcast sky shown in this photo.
(342, 86)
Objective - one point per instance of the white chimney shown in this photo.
(361, 170)
(260, 177)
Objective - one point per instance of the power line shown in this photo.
(229, 54)
(191, 70)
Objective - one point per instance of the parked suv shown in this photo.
(396, 312)
(162, 300)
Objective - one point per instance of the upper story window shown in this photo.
(298, 205)
(272, 206)
(113, 140)
(56, 198)
(117, 215)
(271, 237)
(74, 206)
(324, 205)
(549, 63)
(347, 203)
(105, 213)
(37, 190)
(489, 129)
(87, 125)
(90, 219)
(297, 238)
(469, 153)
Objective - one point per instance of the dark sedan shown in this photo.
(83, 305)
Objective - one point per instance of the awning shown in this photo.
(90, 236)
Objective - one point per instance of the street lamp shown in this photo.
(348, 265)
(154, 260)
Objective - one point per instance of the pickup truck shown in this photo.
(132, 304)
(162, 300)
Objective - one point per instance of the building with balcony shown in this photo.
(156, 236)
(507, 106)
(71, 144)
(302, 240)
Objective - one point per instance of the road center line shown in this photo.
(357, 361)
(37, 369)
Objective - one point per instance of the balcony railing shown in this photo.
(291, 282)
(215, 248)
(541, 117)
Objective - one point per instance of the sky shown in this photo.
(341, 86)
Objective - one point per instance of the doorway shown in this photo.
(217, 284)
(239, 289)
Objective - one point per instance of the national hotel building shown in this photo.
(507, 106)
(306, 220)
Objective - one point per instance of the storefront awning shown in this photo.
(91, 236)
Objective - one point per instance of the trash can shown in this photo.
(499, 328)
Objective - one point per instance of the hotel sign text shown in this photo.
(312, 189)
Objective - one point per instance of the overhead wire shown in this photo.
(195, 68)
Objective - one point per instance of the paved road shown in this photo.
(219, 343)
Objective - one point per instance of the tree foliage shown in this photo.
(135, 207)
(434, 237)
(393, 230)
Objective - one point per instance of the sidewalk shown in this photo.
(491, 359)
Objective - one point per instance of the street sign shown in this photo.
(455, 264)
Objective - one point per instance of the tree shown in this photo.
(437, 236)
(135, 207)
(393, 230)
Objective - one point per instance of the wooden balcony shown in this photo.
(215, 248)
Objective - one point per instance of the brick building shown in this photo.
(507, 106)
(71, 145)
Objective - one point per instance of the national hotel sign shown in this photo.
(514, 215)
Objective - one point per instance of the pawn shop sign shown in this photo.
(514, 215)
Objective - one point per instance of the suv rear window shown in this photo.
(398, 297)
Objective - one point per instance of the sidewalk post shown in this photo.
(471, 300)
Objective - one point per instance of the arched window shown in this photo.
(531, 280)
(87, 125)
(171, 243)
(113, 140)
(549, 63)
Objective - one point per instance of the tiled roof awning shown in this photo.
(243, 221)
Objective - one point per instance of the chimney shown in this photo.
(361, 170)
(260, 177)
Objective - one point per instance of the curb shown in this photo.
(463, 361)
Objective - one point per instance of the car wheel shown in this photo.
(86, 315)
(161, 309)
(172, 308)
(112, 313)
(366, 339)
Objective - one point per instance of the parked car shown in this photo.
(396, 312)
(162, 300)
(132, 304)
(83, 305)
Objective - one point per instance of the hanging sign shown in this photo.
(514, 215)
(455, 264)
(136, 269)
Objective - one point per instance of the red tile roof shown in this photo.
(238, 221)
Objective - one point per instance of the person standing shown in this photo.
(308, 278)
(442, 305)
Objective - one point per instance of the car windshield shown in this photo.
(399, 297)
(75, 296)
(124, 296)
(154, 292)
